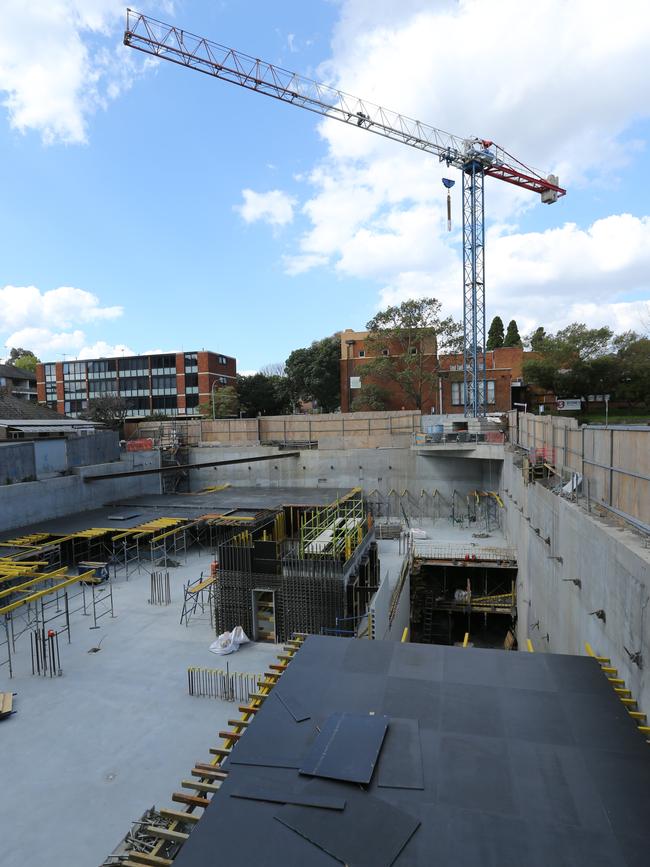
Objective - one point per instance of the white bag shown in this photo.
(228, 642)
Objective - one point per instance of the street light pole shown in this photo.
(216, 382)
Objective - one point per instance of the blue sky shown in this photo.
(149, 207)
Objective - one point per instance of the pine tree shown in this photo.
(495, 334)
(512, 337)
(537, 339)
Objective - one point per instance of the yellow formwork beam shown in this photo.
(466, 640)
(529, 646)
(405, 635)
(22, 588)
(40, 593)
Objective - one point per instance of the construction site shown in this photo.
(488, 604)
(366, 638)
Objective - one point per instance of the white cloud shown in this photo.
(560, 87)
(60, 61)
(274, 207)
(46, 343)
(101, 349)
(27, 306)
(48, 322)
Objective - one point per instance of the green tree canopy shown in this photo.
(495, 334)
(23, 358)
(536, 339)
(404, 341)
(512, 337)
(224, 403)
(110, 410)
(313, 373)
(577, 361)
(370, 398)
(263, 394)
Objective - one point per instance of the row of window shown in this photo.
(458, 392)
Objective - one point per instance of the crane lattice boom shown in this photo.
(473, 156)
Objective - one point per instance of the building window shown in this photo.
(191, 362)
(384, 352)
(362, 353)
(223, 380)
(413, 350)
(458, 392)
(222, 359)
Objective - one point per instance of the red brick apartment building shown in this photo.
(168, 383)
(504, 375)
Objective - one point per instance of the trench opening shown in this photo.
(449, 600)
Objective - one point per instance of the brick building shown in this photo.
(167, 383)
(504, 376)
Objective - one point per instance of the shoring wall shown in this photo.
(614, 461)
(558, 543)
(331, 430)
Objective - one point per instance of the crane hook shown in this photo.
(448, 184)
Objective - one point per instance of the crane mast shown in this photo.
(475, 157)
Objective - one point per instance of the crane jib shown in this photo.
(476, 158)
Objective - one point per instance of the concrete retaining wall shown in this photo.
(371, 469)
(35, 459)
(100, 448)
(611, 564)
(31, 502)
(17, 462)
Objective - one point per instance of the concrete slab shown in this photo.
(146, 508)
(87, 753)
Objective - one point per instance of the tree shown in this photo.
(109, 410)
(224, 403)
(495, 334)
(512, 337)
(404, 342)
(634, 369)
(263, 394)
(370, 398)
(536, 339)
(313, 373)
(574, 362)
(23, 358)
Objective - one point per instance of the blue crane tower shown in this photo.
(476, 158)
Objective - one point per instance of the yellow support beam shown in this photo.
(22, 588)
(34, 596)
(529, 646)
(466, 640)
(405, 635)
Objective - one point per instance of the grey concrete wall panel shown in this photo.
(611, 564)
(40, 501)
(50, 457)
(99, 448)
(382, 469)
(17, 462)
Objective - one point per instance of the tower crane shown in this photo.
(475, 157)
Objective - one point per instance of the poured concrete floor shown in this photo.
(87, 753)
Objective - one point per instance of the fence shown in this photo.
(614, 461)
(306, 429)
